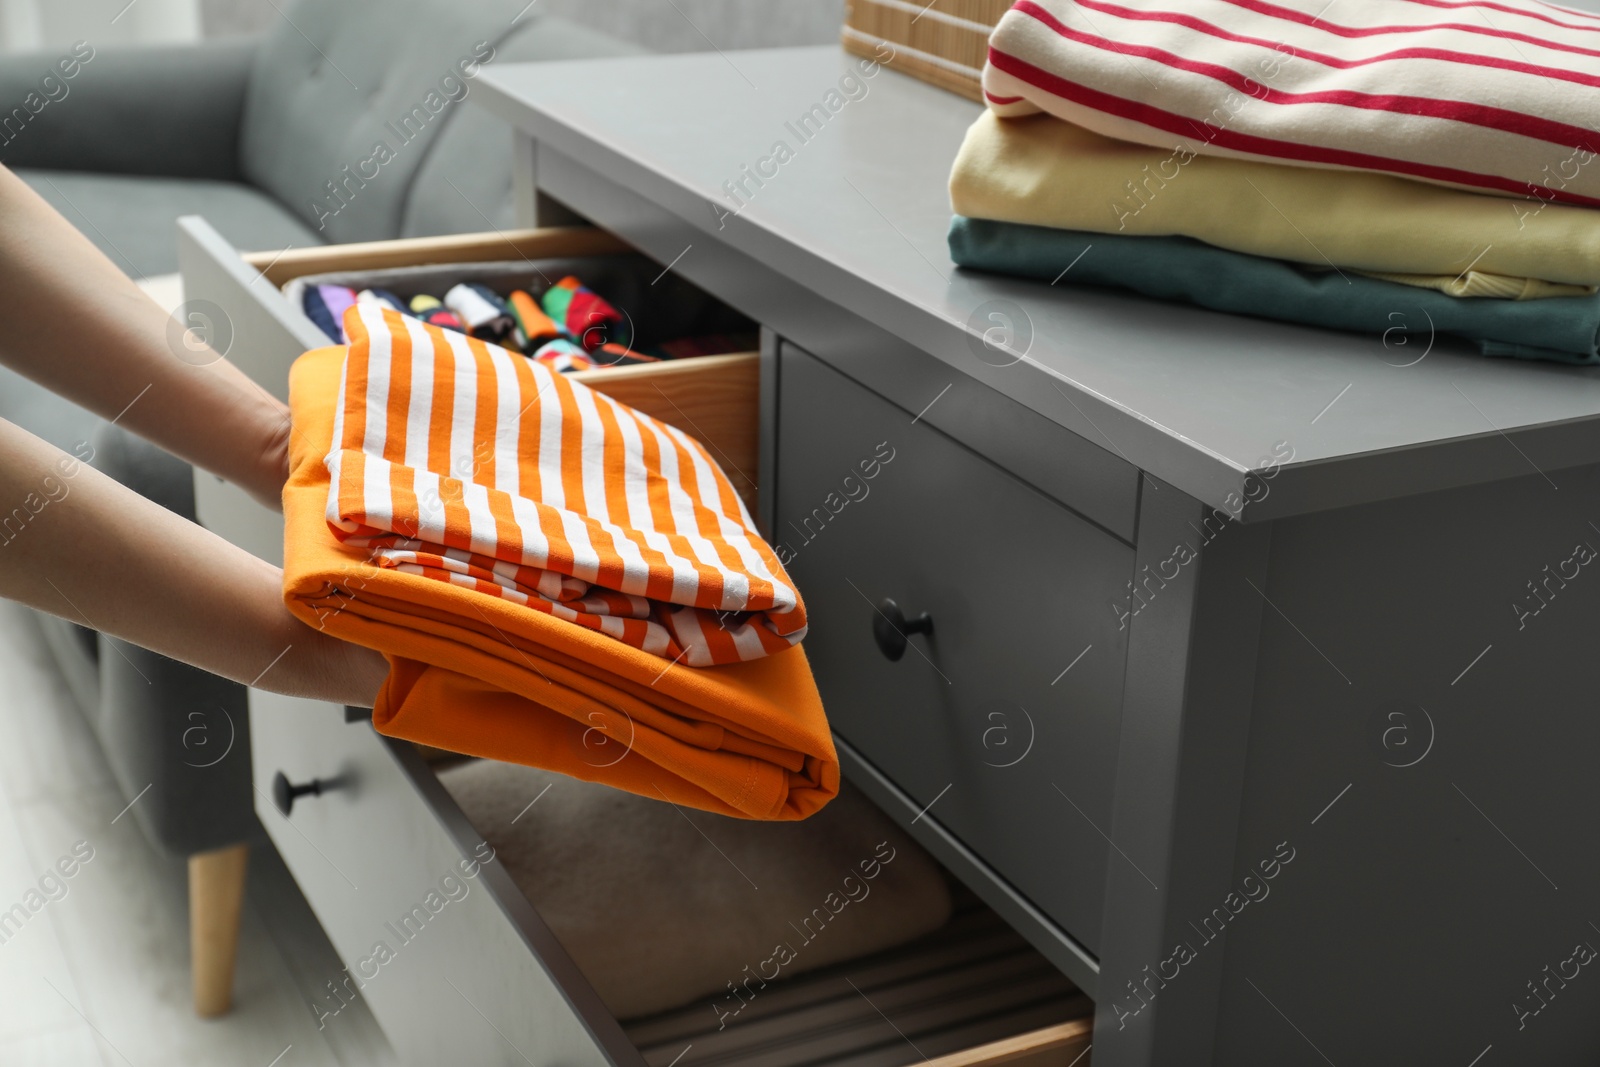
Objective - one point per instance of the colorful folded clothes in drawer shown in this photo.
(1500, 97)
(1180, 268)
(557, 579)
(1045, 172)
(568, 327)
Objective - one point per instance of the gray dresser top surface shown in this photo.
(859, 212)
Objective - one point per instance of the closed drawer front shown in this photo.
(1004, 719)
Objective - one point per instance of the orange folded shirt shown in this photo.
(557, 580)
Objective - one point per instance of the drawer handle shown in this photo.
(285, 793)
(890, 628)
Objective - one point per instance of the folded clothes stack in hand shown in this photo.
(1379, 167)
(557, 579)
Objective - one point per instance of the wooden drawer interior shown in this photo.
(714, 399)
(711, 398)
(971, 993)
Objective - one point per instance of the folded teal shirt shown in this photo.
(1565, 329)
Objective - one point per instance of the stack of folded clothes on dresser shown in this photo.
(1369, 165)
(558, 580)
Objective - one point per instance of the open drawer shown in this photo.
(476, 976)
(239, 298)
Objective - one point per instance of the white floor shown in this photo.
(100, 974)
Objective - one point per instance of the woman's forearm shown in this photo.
(75, 543)
(80, 328)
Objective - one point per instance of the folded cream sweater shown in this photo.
(1046, 172)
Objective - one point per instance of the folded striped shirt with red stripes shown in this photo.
(463, 462)
(1501, 96)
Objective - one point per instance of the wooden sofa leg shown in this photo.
(216, 900)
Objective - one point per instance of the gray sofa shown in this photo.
(249, 134)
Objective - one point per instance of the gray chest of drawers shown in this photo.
(1257, 687)
(1245, 669)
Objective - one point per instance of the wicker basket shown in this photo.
(943, 42)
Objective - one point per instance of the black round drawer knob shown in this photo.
(890, 628)
(285, 793)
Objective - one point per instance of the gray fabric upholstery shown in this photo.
(334, 80)
(133, 219)
(154, 111)
(161, 721)
(464, 182)
(289, 125)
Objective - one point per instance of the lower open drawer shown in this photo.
(459, 967)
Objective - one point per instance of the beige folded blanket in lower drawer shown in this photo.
(660, 905)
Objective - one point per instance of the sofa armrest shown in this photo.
(172, 111)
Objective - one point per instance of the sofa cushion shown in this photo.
(464, 183)
(334, 82)
(133, 219)
(170, 110)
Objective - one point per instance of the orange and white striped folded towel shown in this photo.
(559, 580)
(1499, 96)
(473, 465)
